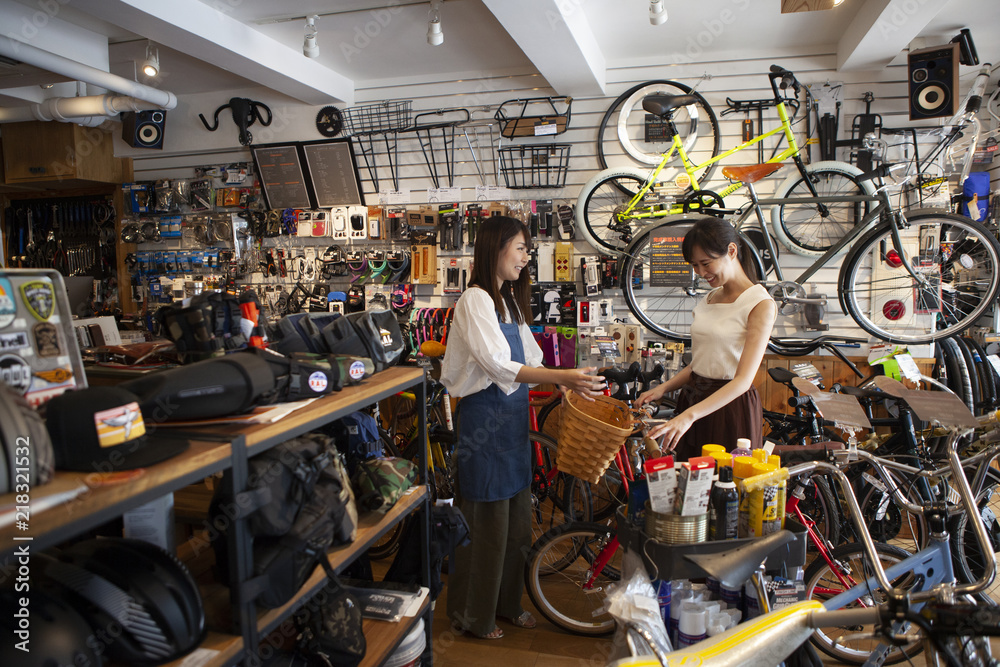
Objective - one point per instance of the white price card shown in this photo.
(908, 367)
(394, 197)
(492, 193)
(546, 128)
(444, 194)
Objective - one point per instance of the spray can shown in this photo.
(763, 501)
(724, 508)
(691, 626)
(742, 469)
(680, 592)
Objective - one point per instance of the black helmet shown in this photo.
(58, 635)
(141, 598)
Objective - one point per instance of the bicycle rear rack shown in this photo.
(425, 132)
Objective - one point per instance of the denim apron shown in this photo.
(493, 454)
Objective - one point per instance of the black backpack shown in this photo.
(449, 530)
(299, 504)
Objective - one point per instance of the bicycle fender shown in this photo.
(764, 641)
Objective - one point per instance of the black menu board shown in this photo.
(333, 173)
(280, 171)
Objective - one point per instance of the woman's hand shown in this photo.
(672, 430)
(582, 381)
(654, 394)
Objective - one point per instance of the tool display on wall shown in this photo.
(245, 113)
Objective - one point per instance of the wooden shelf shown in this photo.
(99, 503)
(383, 637)
(229, 649)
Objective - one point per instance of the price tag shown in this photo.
(444, 194)
(492, 193)
(394, 197)
(880, 352)
(908, 367)
(546, 128)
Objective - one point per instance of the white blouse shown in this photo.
(719, 332)
(478, 354)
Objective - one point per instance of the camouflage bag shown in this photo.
(380, 482)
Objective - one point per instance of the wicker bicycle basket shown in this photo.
(590, 433)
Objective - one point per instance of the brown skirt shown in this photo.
(743, 417)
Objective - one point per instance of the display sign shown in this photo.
(333, 173)
(281, 176)
(667, 266)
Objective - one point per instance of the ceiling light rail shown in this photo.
(359, 10)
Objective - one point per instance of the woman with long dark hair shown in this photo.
(490, 361)
(729, 332)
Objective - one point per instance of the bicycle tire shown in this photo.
(820, 504)
(600, 199)
(548, 419)
(802, 228)
(987, 378)
(966, 555)
(887, 522)
(664, 310)
(819, 575)
(554, 569)
(882, 300)
(565, 499)
(958, 373)
(388, 544)
(972, 375)
(699, 128)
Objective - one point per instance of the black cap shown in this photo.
(725, 473)
(101, 429)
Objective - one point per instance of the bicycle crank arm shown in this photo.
(804, 302)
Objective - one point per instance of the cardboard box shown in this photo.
(694, 486)
(661, 478)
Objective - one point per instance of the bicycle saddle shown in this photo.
(782, 375)
(661, 105)
(751, 173)
(734, 566)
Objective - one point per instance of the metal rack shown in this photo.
(425, 132)
(386, 120)
(536, 166)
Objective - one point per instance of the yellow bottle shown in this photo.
(706, 450)
(762, 500)
(722, 459)
(742, 469)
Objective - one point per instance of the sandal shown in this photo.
(525, 620)
(496, 633)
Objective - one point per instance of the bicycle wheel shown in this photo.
(958, 261)
(956, 375)
(968, 558)
(820, 505)
(845, 643)
(623, 138)
(887, 523)
(812, 229)
(662, 300)
(987, 377)
(971, 375)
(601, 201)
(555, 500)
(556, 570)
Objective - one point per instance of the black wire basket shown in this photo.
(526, 167)
(381, 117)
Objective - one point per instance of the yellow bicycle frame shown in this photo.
(677, 146)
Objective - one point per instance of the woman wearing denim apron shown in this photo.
(490, 361)
(730, 329)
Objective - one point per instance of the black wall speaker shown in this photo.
(933, 81)
(144, 129)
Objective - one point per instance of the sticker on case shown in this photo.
(55, 376)
(39, 297)
(14, 341)
(15, 372)
(8, 309)
(46, 337)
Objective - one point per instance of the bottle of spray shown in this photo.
(724, 508)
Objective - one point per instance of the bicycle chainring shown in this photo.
(784, 290)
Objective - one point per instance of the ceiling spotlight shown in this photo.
(657, 13)
(310, 49)
(434, 35)
(151, 65)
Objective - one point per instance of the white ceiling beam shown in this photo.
(211, 35)
(557, 39)
(881, 30)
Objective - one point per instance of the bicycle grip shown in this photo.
(972, 106)
(880, 171)
(778, 69)
(799, 401)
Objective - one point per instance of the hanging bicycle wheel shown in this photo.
(659, 287)
(956, 261)
(599, 209)
(812, 229)
(557, 569)
(854, 644)
(968, 559)
(628, 136)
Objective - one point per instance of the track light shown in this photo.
(310, 49)
(657, 13)
(434, 35)
(151, 65)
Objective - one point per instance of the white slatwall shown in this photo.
(717, 80)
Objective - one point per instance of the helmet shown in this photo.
(142, 598)
(21, 425)
(60, 637)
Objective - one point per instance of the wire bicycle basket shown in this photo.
(381, 117)
(540, 166)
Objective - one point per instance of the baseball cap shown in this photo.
(92, 429)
